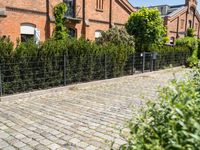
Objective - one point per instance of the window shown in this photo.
(70, 8)
(192, 11)
(182, 23)
(98, 34)
(190, 24)
(99, 4)
(172, 40)
(72, 32)
(29, 31)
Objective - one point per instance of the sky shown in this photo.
(158, 2)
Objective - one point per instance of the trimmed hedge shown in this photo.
(30, 66)
(171, 55)
(192, 44)
(59, 62)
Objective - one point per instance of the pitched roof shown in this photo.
(169, 11)
(127, 5)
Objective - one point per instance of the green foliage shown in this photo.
(173, 122)
(165, 40)
(198, 48)
(6, 48)
(192, 43)
(60, 31)
(118, 36)
(190, 32)
(166, 54)
(32, 66)
(147, 27)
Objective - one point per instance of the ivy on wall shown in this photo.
(60, 31)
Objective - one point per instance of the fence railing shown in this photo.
(52, 71)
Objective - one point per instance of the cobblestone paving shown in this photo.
(85, 116)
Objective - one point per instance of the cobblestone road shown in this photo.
(85, 116)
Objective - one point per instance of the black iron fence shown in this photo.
(45, 72)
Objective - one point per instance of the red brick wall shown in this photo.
(39, 5)
(120, 15)
(172, 22)
(98, 20)
(172, 25)
(10, 25)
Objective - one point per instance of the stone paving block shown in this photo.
(91, 147)
(82, 144)
(20, 136)
(33, 143)
(74, 141)
(120, 141)
(3, 144)
(53, 146)
(26, 148)
(9, 148)
(3, 127)
(3, 135)
(26, 140)
(46, 142)
(18, 144)
(60, 142)
(40, 147)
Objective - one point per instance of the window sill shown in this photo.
(99, 10)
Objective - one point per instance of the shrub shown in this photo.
(190, 32)
(171, 123)
(192, 43)
(118, 36)
(6, 48)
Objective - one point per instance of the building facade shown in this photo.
(179, 18)
(23, 19)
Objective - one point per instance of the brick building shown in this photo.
(179, 18)
(85, 18)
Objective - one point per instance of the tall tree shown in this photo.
(147, 27)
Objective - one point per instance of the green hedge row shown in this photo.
(57, 62)
(171, 55)
(192, 44)
(31, 66)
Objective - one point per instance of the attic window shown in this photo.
(99, 4)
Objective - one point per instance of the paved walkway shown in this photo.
(85, 116)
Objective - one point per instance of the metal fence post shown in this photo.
(133, 64)
(105, 66)
(151, 62)
(143, 62)
(65, 71)
(1, 85)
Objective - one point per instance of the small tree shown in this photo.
(117, 36)
(147, 27)
(60, 31)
